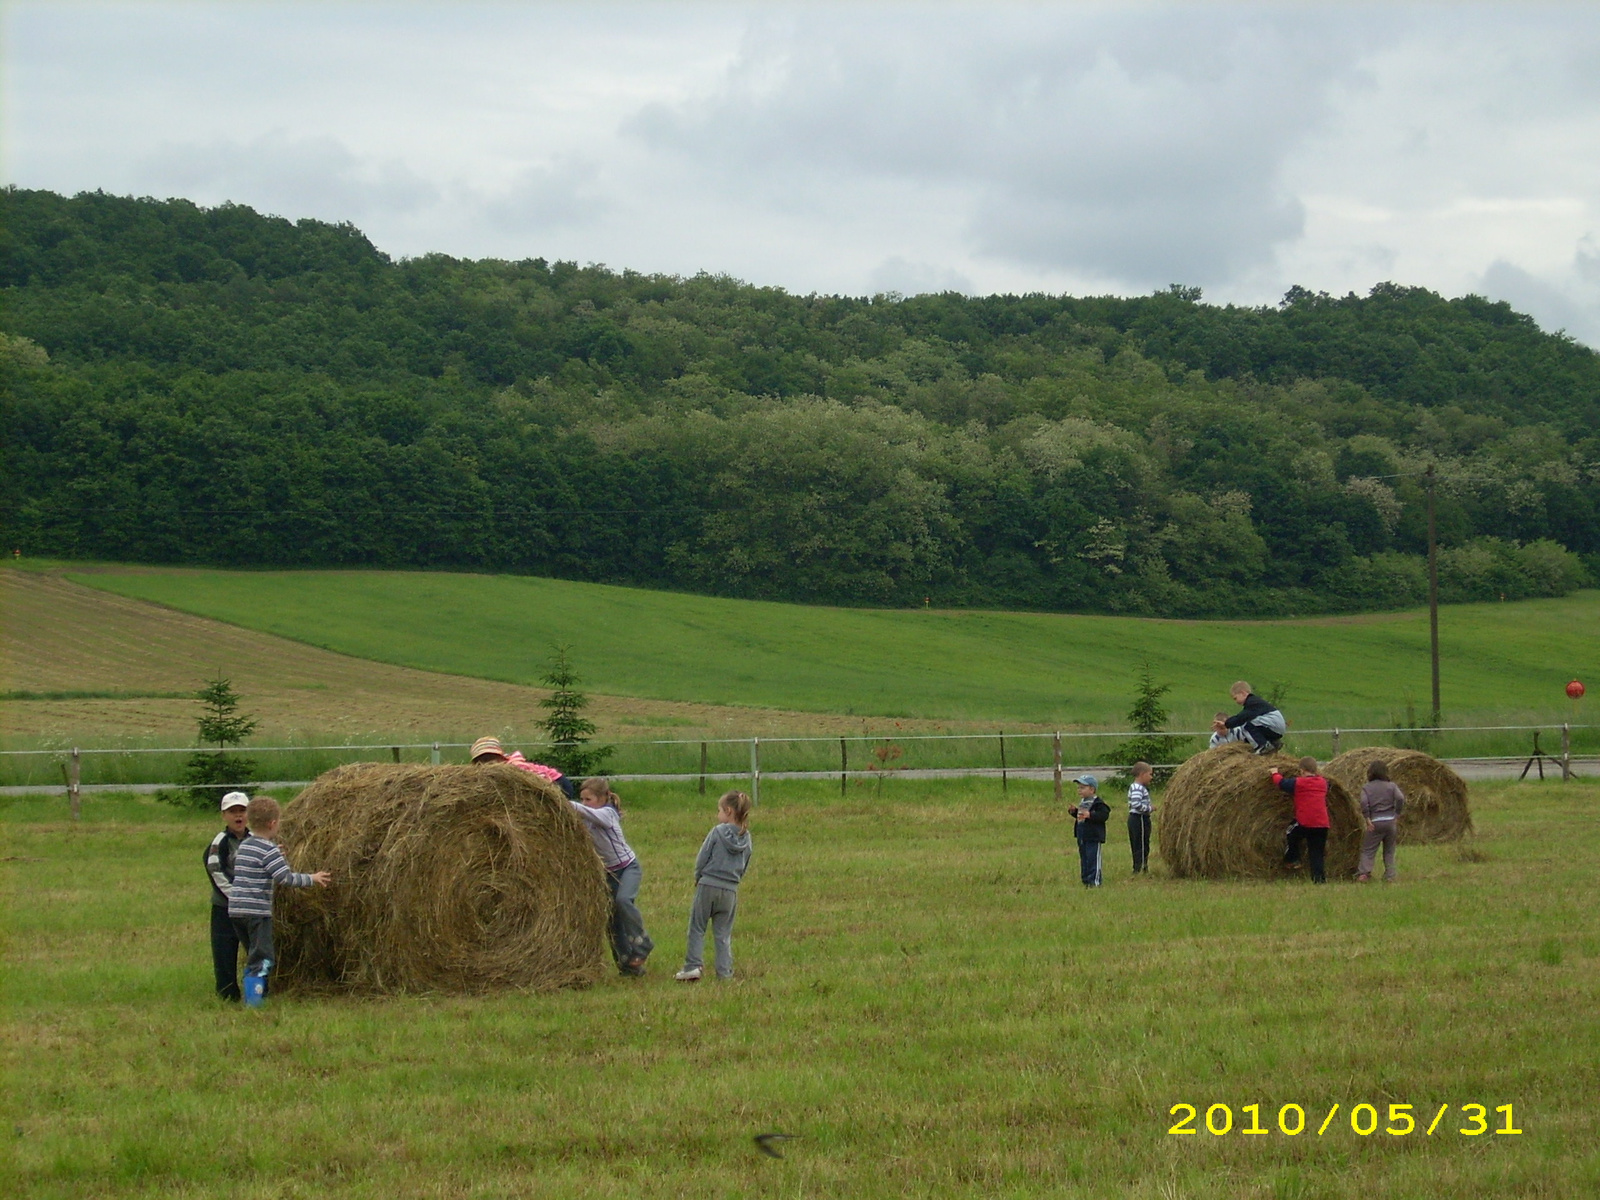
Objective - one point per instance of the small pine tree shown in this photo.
(1147, 717)
(209, 773)
(566, 728)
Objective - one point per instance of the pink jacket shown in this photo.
(516, 760)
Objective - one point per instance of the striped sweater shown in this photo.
(258, 865)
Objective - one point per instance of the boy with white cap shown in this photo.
(1091, 813)
(219, 867)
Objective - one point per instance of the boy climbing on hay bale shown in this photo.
(1257, 724)
(1309, 790)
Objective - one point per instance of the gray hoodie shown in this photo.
(724, 857)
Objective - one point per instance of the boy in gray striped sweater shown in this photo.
(258, 867)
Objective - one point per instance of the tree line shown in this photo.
(191, 385)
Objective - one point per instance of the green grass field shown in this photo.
(926, 996)
(1502, 663)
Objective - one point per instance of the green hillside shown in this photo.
(990, 666)
(182, 385)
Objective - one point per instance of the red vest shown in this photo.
(1311, 801)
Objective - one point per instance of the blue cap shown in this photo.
(1087, 781)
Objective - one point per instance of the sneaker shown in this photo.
(1363, 878)
(633, 968)
(688, 975)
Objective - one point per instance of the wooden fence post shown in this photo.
(844, 767)
(1335, 741)
(1566, 752)
(434, 757)
(755, 771)
(395, 750)
(1058, 766)
(702, 768)
(1004, 779)
(73, 775)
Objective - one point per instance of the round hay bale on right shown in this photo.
(1436, 797)
(445, 879)
(1221, 817)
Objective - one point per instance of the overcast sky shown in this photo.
(866, 147)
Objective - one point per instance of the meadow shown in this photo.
(925, 996)
(1502, 663)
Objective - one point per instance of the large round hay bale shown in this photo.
(1436, 797)
(1222, 817)
(452, 879)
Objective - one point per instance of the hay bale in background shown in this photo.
(1436, 797)
(1221, 816)
(458, 879)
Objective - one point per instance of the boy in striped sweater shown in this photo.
(258, 867)
(1139, 814)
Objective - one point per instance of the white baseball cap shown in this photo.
(235, 800)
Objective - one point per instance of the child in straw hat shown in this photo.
(601, 811)
(489, 750)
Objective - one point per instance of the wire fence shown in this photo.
(998, 754)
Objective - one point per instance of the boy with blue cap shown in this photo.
(1091, 814)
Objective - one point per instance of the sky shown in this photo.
(862, 148)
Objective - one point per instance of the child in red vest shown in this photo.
(1310, 793)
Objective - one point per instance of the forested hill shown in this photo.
(210, 385)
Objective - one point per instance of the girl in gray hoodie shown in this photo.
(724, 857)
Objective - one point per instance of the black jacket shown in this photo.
(219, 863)
(1093, 827)
(1254, 706)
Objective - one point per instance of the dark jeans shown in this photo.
(255, 935)
(629, 941)
(1139, 839)
(1089, 861)
(1316, 841)
(224, 953)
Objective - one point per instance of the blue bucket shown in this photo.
(255, 990)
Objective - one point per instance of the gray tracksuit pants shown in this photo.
(714, 906)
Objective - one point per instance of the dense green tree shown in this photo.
(181, 384)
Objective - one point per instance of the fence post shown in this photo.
(1004, 781)
(1335, 741)
(702, 768)
(755, 771)
(434, 757)
(1566, 752)
(844, 767)
(72, 782)
(1058, 765)
(395, 750)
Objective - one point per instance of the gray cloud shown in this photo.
(897, 274)
(560, 196)
(905, 147)
(1141, 148)
(1552, 305)
(316, 176)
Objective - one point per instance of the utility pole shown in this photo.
(1433, 591)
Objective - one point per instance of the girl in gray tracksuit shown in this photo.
(724, 857)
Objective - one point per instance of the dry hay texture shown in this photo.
(445, 879)
(1222, 817)
(1436, 797)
